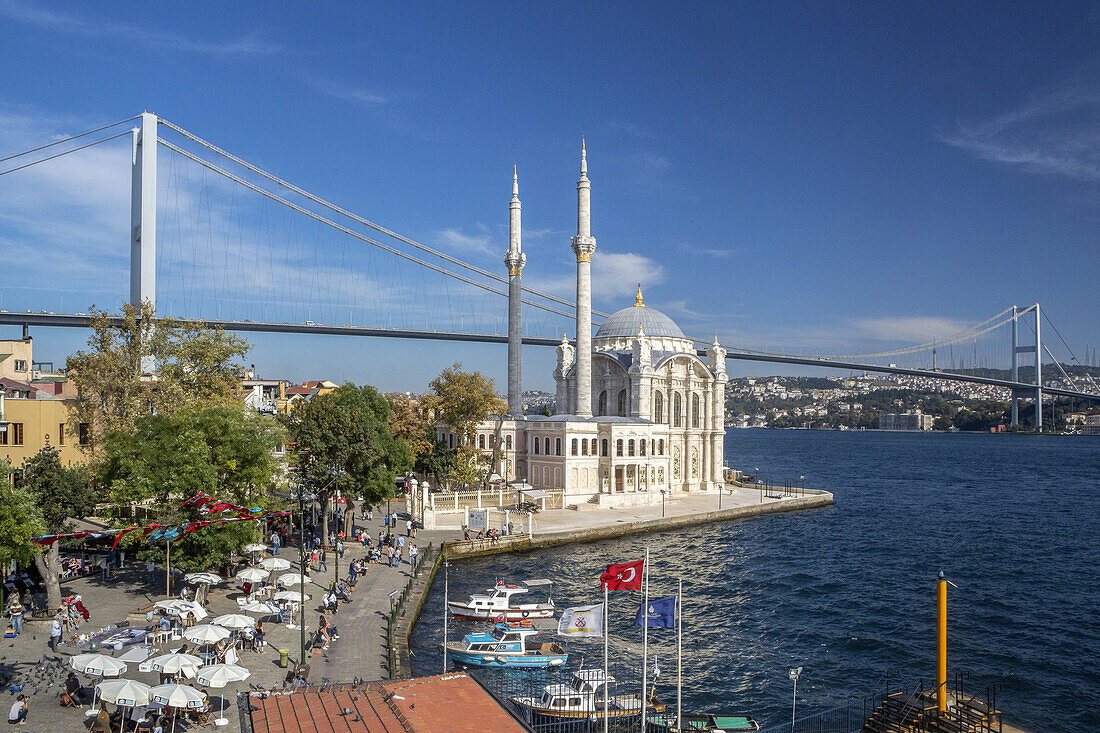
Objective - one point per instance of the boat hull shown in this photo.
(506, 661)
(467, 613)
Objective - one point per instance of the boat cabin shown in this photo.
(503, 638)
(579, 695)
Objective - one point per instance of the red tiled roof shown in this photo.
(441, 704)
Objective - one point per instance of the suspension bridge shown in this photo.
(219, 240)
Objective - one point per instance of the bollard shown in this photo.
(284, 658)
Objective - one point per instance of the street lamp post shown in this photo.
(794, 674)
(303, 496)
(802, 482)
(663, 501)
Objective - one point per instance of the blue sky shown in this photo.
(814, 177)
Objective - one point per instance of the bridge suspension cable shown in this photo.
(366, 222)
(350, 232)
(69, 139)
(60, 155)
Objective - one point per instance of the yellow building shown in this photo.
(27, 426)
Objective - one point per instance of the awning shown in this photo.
(534, 493)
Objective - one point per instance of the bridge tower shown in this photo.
(1037, 349)
(143, 212)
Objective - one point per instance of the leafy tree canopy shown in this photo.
(20, 519)
(194, 366)
(463, 399)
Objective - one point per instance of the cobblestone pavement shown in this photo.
(358, 653)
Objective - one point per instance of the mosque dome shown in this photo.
(624, 323)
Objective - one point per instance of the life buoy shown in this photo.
(525, 614)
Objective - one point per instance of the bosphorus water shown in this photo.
(848, 591)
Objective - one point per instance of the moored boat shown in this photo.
(703, 722)
(499, 604)
(505, 646)
(582, 699)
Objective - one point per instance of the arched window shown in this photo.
(652, 447)
(622, 403)
(538, 444)
(659, 407)
(661, 447)
(481, 441)
(601, 404)
(603, 448)
(492, 440)
(573, 447)
(451, 440)
(630, 448)
(557, 477)
(557, 446)
(641, 447)
(619, 447)
(508, 441)
(694, 410)
(545, 475)
(677, 411)
(546, 445)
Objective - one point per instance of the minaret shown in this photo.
(583, 246)
(515, 260)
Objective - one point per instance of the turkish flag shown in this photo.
(624, 576)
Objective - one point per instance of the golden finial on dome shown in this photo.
(638, 298)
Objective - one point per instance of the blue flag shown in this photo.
(662, 613)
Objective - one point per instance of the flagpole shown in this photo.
(679, 649)
(645, 638)
(606, 633)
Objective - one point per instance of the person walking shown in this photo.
(15, 611)
(412, 556)
(55, 631)
(389, 554)
(150, 571)
(323, 566)
(275, 543)
(340, 549)
(408, 528)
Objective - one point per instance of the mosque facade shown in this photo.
(640, 409)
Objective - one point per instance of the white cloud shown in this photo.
(358, 95)
(915, 329)
(248, 45)
(457, 241)
(1055, 133)
(616, 275)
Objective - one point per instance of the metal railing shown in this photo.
(397, 608)
(846, 718)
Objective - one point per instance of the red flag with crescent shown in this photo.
(624, 576)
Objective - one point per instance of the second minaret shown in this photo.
(583, 246)
(515, 260)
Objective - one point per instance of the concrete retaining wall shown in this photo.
(519, 543)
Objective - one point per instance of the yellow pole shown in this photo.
(941, 645)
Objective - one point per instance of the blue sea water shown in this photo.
(848, 591)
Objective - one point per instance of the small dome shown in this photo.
(624, 323)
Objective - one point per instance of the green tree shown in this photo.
(223, 451)
(194, 365)
(20, 520)
(344, 441)
(461, 400)
(436, 461)
(61, 493)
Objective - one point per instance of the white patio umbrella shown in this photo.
(253, 575)
(206, 634)
(175, 663)
(220, 675)
(275, 563)
(255, 547)
(290, 595)
(207, 578)
(128, 693)
(291, 579)
(260, 607)
(97, 664)
(177, 696)
(172, 604)
(179, 607)
(124, 693)
(234, 621)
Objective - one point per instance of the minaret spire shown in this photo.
(515, 260)
(583, 246)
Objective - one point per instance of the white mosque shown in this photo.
(638, 409)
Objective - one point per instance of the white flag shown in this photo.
(582, 621)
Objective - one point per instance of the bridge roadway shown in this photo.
(68, 320)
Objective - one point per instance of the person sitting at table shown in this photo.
(70, 695)
(102, 722)
(185, 593)
(147, 723)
